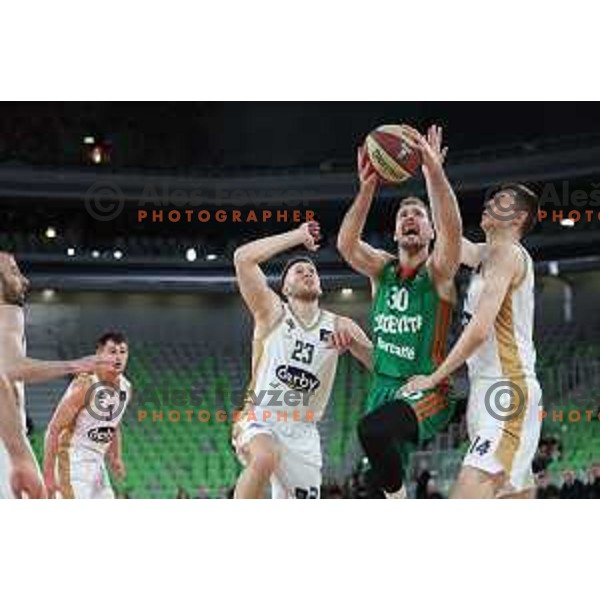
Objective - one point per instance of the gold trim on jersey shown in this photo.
(523, 276)
(64, 464)
(512, 369)
(302, 324)
(258, 351)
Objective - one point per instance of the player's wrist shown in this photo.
(19, 451)
(297, 236)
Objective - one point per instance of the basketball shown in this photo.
(391, 155)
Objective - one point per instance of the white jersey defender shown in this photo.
(293, 374)
(505, 396)
(81, 468)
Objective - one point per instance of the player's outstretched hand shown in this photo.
(310, 233)
(25, 480)
(418, 383)
(430, 147)
(343, 336)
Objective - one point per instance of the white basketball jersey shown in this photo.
(508, 352)
(293, 370)
(96, 424)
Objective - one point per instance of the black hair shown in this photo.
(111, 336)
(290, 263)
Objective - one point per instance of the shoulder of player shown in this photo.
(506, 260)
(387, 259)
(505, 256)
(265, 324)
(126, 383)
(386, 256)
(82, 380)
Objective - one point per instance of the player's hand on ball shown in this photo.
(432, 156)
(435, 137)
(310, 235)
(366, 173)
(25, 480)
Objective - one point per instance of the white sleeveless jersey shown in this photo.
(292, 367)
(508, 352)
(95, 425)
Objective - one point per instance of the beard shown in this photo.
(14, 296)
(306, 295)
(413, 246)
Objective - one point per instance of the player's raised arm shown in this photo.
(361, 256)
(503, 267)
(261, 300)
(31, 370)
(445, 213)
(68, 408)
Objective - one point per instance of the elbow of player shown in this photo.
(341, 243)
(239, 257)
(345, 246)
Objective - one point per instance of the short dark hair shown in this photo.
(413, 200)
(290, 263)
(110, 336)
(525, 199)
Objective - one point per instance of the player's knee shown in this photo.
(264, 463)
(475, 483)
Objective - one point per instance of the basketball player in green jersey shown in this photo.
(413, 295)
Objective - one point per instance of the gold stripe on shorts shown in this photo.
(64, 465)
(512, 368)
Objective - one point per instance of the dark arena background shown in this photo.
(96, 199)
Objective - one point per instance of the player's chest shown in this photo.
(304, 347)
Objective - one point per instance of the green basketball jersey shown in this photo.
(409, 324)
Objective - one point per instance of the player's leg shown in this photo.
(528, 494)
(498, 462)
(475, 483)
(76, 474)
(103, 489)
(298, 481)
(298, 473)
(260, 456)
(384, 433)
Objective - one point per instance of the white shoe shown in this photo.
(399, 495)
